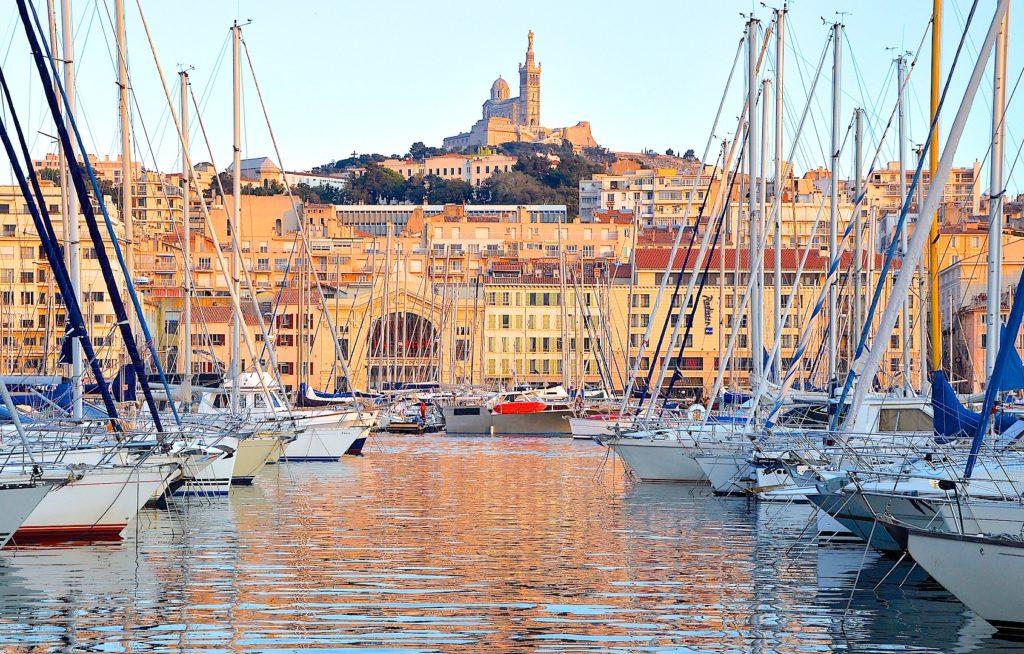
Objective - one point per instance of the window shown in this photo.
(286, 367)
(904, 420)
(692, 363)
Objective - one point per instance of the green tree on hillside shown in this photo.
(448, 191)
(320, 194)
(272, 187)
(377, 186)
(51, 174)
(515, 187)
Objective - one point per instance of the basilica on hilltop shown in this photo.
(518, 119)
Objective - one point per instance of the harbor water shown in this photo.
(435, 544)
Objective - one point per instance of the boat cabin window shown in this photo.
(259, 401)
(220, 401)
(805, 417)
(904, 420)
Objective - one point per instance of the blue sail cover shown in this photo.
(733, 397)
(953, 420)
(45, 397)
(1012, 378)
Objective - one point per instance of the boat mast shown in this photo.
(762, 225)
(922, 291)
(833, 225)
(753, 204)
(933, 165)
(186, 246)
(901, 77)
(126, 147)
(236, 209)
(71, 215)
(919, 241)
(858, 227)
(780, 56)
(300, 277)
(51, 12)
(993, 317)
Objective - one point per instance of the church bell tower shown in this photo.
(529, 87)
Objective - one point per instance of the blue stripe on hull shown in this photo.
(357, 447)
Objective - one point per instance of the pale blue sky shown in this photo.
(343, 76)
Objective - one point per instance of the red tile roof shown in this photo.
(657, 259)
(221, 315)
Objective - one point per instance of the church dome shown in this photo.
(499, 90)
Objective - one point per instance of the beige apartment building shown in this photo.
(472, 169)
(658, 198)
(535, 327)
(963, 188)
(32, 316)
(963, 301)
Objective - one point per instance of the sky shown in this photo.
(341, 76)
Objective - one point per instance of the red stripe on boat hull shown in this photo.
(54, 534)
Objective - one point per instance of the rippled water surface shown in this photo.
(435, 544)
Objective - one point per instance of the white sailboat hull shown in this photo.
(729, 474)
(324, 444)
(97, 506)
(590, 428)
(204, 477)
(658, 460)
(983, 573)
(250, 457)
(16, 504)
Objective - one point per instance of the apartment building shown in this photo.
(472, 169)
(963, 189)
(32, 316)
(661, 197)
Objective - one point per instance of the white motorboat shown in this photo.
(321, 434)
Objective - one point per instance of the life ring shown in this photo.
(696, 412)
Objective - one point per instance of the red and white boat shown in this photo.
(530, 418)
(96, 504)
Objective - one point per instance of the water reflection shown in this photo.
(499, 545)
